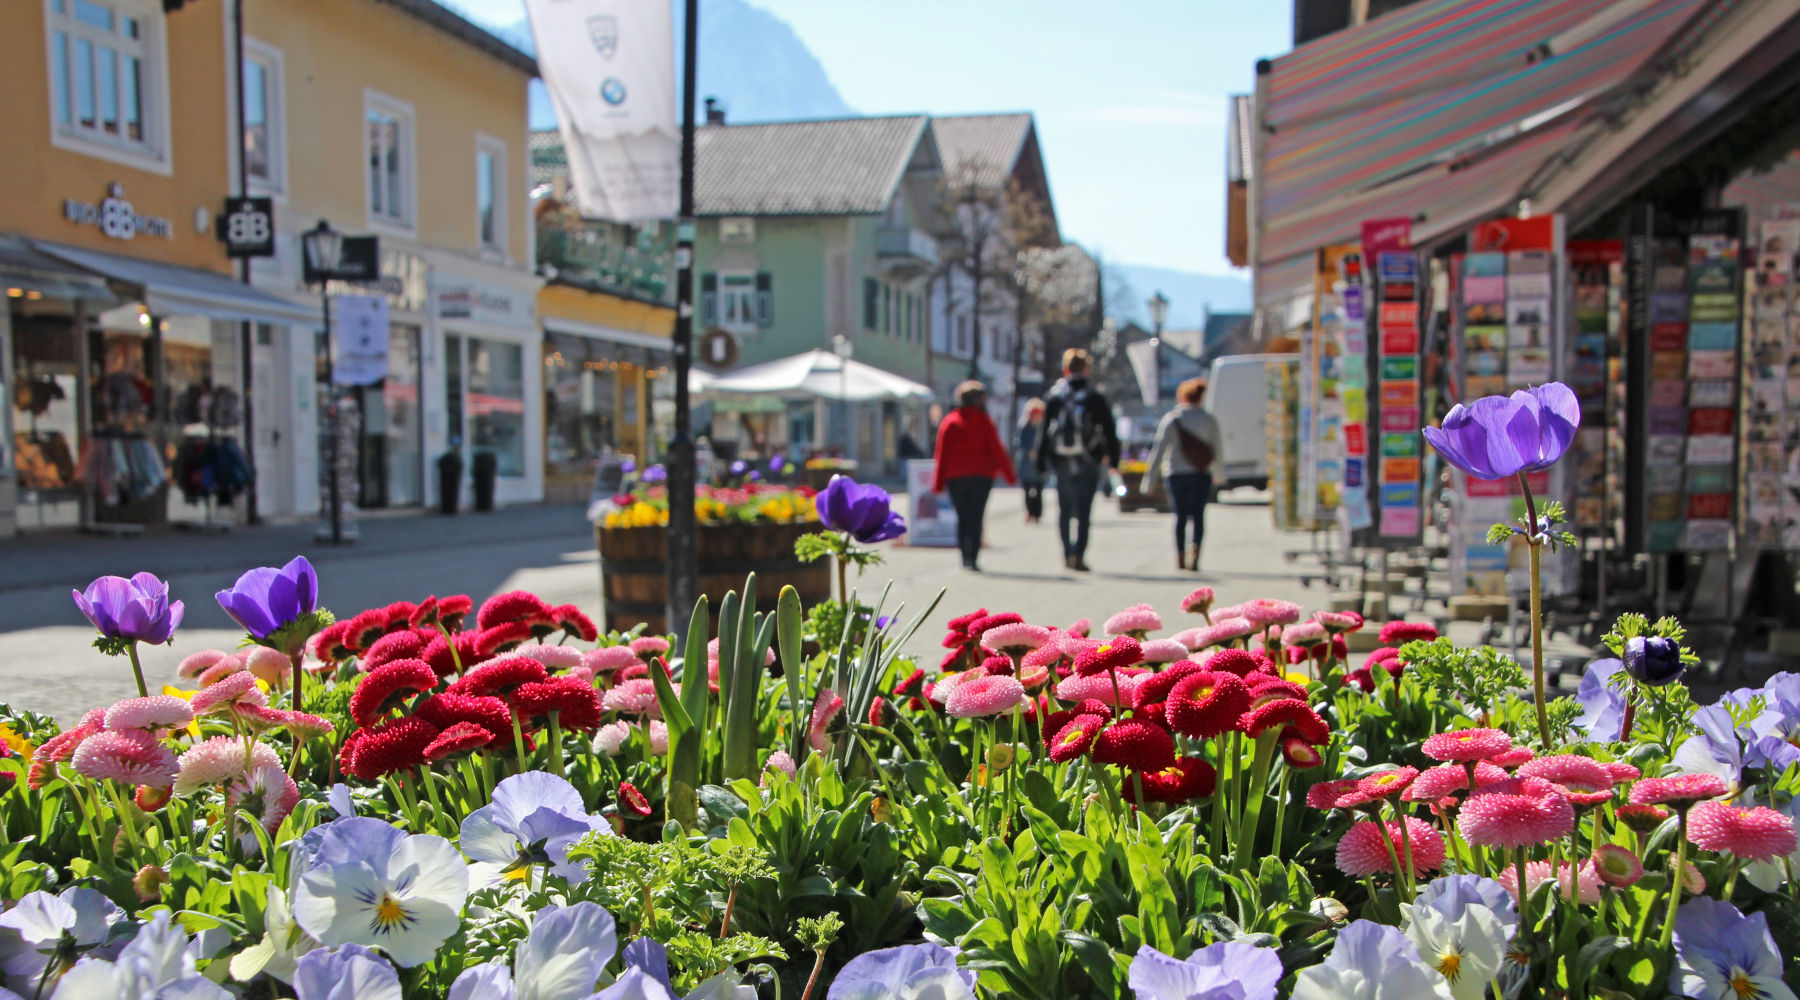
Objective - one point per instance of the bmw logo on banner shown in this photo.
(612, 91)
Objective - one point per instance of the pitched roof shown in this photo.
(454, 24)
(837, 166)
(986, 145)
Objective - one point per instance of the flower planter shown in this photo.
(818, 479)
(1133, 498)
(635, 580)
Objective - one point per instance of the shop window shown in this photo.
(765, 299)
(106, 64)
(737, 301)
(496, 403)
(265, 124)
(709, 300)
(582, 377)
(389, 143)
(490, 192)
(871, 303)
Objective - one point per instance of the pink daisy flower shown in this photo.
(218, 761)
(553, 657)
(939, 694)
(1046, 656)
(268, 794)
(1221, 630)
(1076, 688)
(1228, 611)
(985, 696)
(268, 666)
(1518, 812)
(220, 670)
(781, 760)
(610, 738)
(222, 695)
(1080, 627)
(1136, 621)
(1188, 636)
(657, 731)
(1015, 638)
(1679, 790)
(634, 697)
(825, 708)
(132, 758)
(1512, 758)
(1339, 793)
(1757, 833)
(1162, 651)
(1199, 601)
(607, 659)
(1581, 885)
(306, 726)
(1387, 783)
(1265, 611)
(1399, 633)
(194, 664)
(1362, 850)
(1582, 780)
(1622, 773)
(1616, 865)
(1303, 634)
(158, 711)
(1434, 784)
(1467, 744)
(650, 645)
(1338, 622)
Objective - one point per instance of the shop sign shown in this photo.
(400, 278)
(248, 227)
(115, 217)
(479, 302)
(718, 349)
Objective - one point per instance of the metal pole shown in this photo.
(684, 582)
(331, 421)
(246, 337)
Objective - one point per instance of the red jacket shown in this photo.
(968, 444)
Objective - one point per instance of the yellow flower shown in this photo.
(18, 744)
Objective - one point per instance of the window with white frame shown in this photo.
(265, 120)
(389, 143)
(105, 72)
(737, 301)
(490, 192)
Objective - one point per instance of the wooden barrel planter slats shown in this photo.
(818, 479)
(635, 580)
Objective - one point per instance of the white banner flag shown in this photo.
(359, 334)
(609, 66)
(1142, 356)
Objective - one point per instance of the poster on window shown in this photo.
(932, 521)
(359, 334)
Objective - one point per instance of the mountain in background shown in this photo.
(749, 59)
(1190, 295)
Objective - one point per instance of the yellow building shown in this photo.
(122, 349)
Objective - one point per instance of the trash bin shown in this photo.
(487, 469)
(450, 469)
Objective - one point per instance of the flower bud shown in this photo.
(1652, 660)
(150, 799)
(148, 883)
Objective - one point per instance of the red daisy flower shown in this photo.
(1361, 678)
(437, 652)
(512, 606)
(954, 661)
(383, 689)
(1757, 833)
(361, 631)
(499, 677)
(1073, 737)
(1287, 711)
(453, 609)
(1187, 779)
(1136, 745)
(1119, 651)
(501, 637)
(1264, 689)
(912, 685)
(1363, 850)
(1617, 865)
(1387, 783)
(632, 799)
(572, 621)
(1207, 703)
(1234, 661)
(399, 614)
(1299, 754)
(881, 712)
(962, 622)
(461, 737)
(1156, 687)
(347, 753)
(1400, 632)
(575, 702)
(389, 747)
(425, 615)
(980, 625)
(402, 645)
(327, 645)
(997, 666)
(446, 710)
(1467, 744)
(1680, 790)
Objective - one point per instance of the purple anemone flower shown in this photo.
(777, 462)
(1230, 968)
(860, 509)
(266, 599)
(1495, 437)
(739, 467)
(1602, 704)
(1653, 660)
(655, 474)
(627, 467)
(1719, 952)
(138, 609)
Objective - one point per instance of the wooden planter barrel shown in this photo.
(818, 479)
(634, 569)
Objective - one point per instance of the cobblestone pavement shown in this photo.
(46, 663)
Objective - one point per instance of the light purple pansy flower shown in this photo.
(1236, 969)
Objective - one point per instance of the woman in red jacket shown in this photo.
(969, 456)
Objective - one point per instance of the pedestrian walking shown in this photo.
(969, 456)
(1187, 443)
(1079, 443)
(1031, 480)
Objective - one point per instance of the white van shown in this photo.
(1237, 395)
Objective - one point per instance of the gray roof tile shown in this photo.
(986, 145)
(840, 166)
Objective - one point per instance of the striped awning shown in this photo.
(1440, 109)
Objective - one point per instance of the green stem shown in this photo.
(1245, 847)
(298, 659)
(137, 668)
(1281, 804)
(518, 742)
(1535, 544)
(1012, 770)
(437, 805)
(126, 820)
(1525, 926)
(1407, 873)
(1137, 777)
(556, 747)
(1675, 880)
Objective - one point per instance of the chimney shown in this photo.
(715, 111)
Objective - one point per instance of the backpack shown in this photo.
(1077, 432)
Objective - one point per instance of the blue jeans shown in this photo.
(1188, 494)
(1076, 483)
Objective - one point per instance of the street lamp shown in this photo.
(1159, 311)
(324, 248)
(843, 348)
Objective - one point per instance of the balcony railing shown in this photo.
(906, 250)
(596, 256)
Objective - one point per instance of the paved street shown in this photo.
(46, 663)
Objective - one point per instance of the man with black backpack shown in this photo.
(1080, 443)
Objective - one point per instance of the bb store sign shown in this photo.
(116, 218)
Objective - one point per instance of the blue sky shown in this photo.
(1129, 97)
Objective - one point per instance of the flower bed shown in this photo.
(441, 800)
